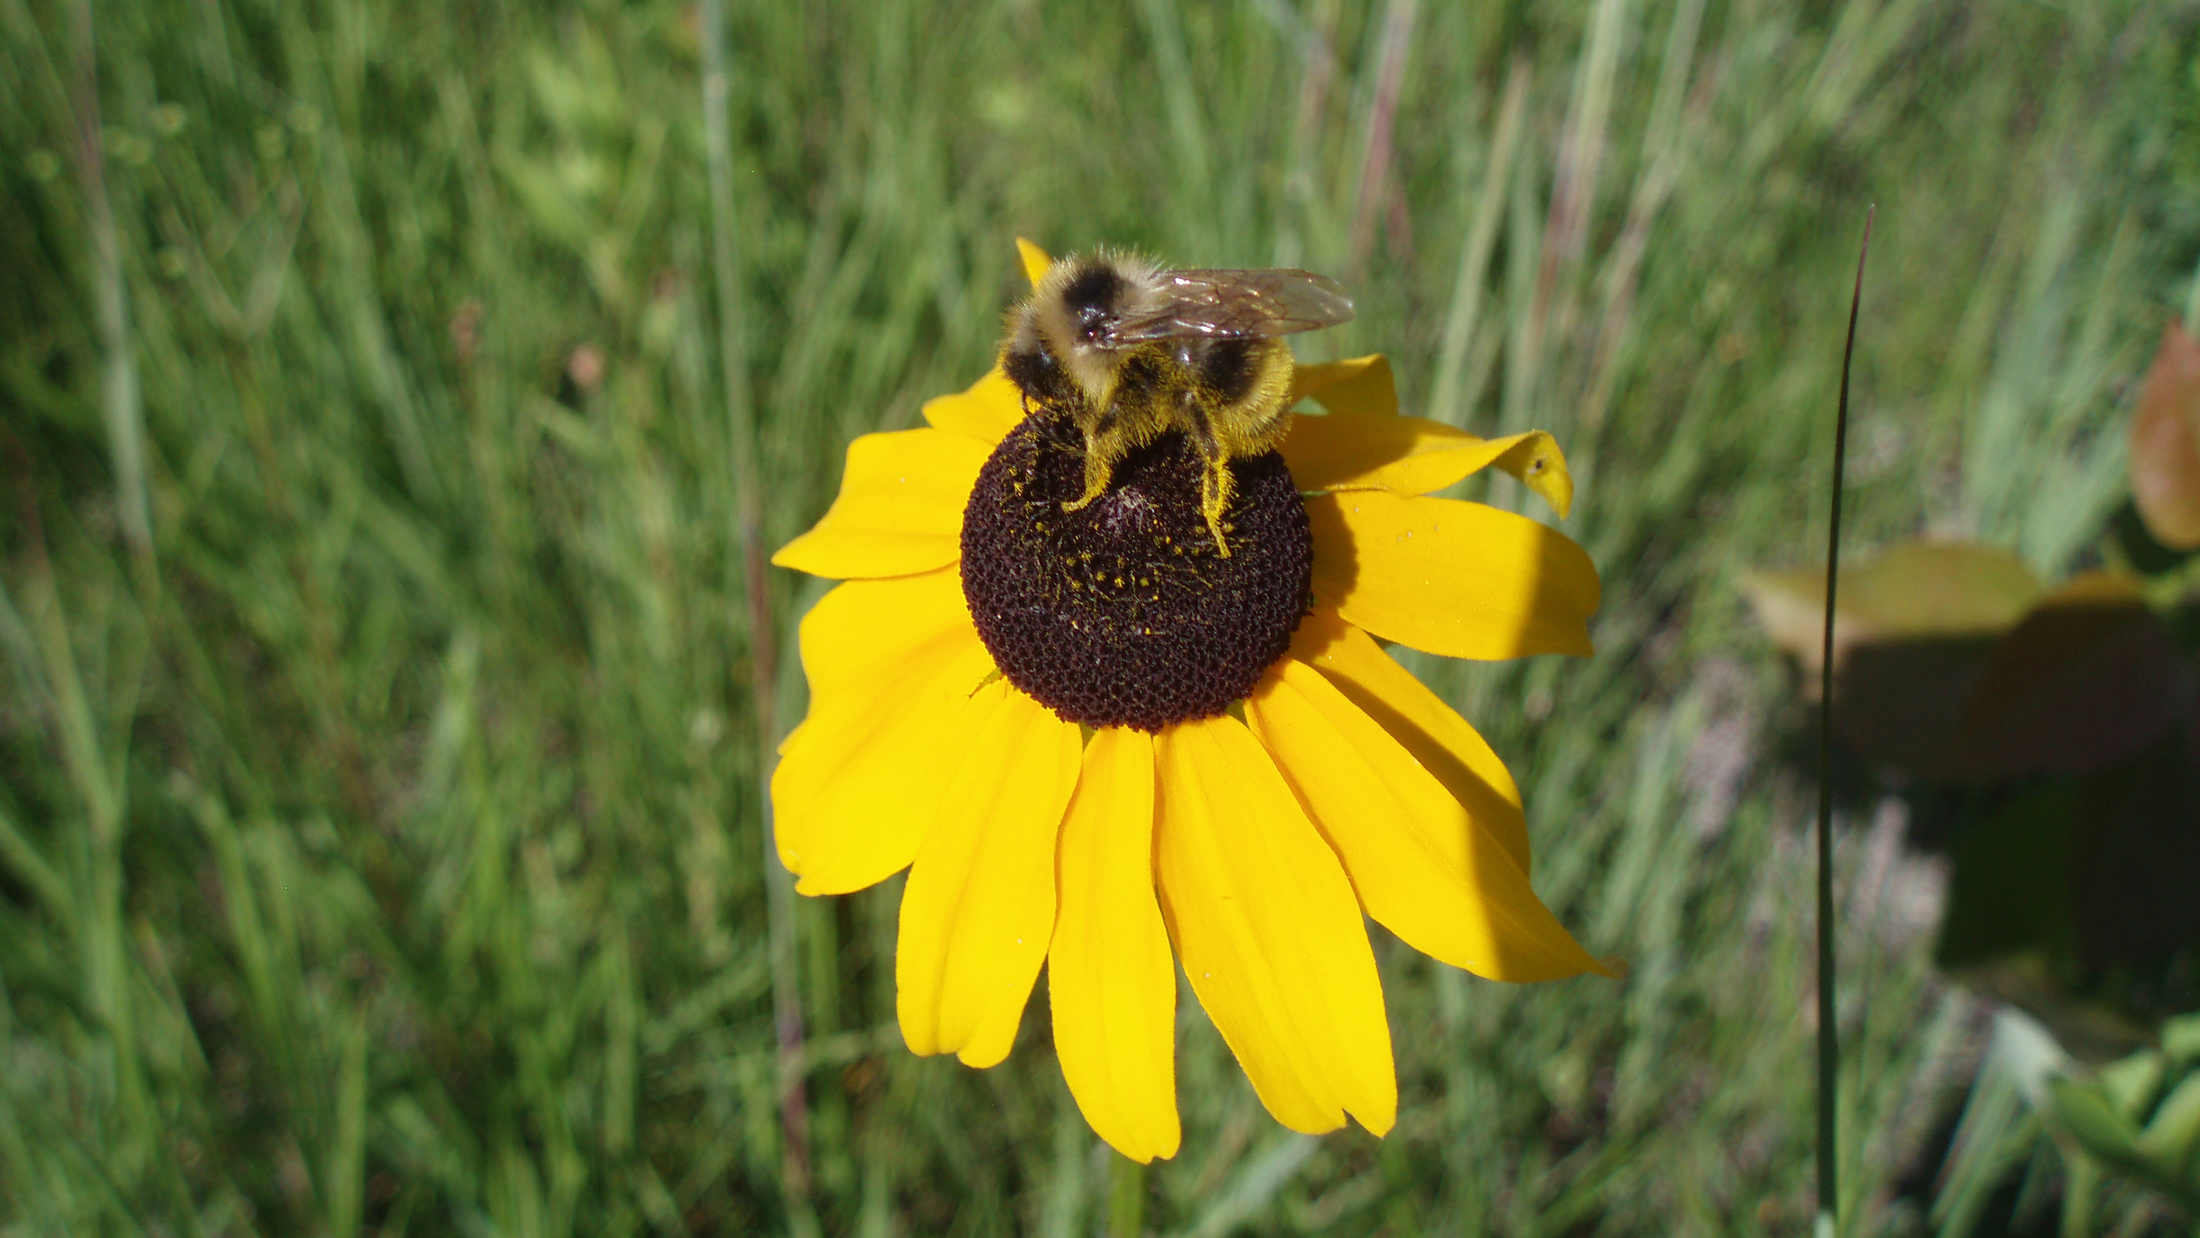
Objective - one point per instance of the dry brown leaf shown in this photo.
(2165, 443)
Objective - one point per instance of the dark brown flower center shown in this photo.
(1123, 613)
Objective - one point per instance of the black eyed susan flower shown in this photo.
(1091, 738)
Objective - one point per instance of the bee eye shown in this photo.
(1091, 321)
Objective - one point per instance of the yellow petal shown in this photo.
(856, 786)
(1449, 749)
(986, 412)
(861, 628)
(979, 907)
(1413, 455)
(1423, 867)
(1034, 258)
(1109, 975)
(1360, 385)
(1453, 578)
(1535, 459)
(899, 511)
(1270, 932)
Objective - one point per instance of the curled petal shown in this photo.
(1452, 578)
(1270, 932)
(979, 907)
(899, 511)
(1413, 455)
(1535, 459)
(1423, 866)
(1109, 974)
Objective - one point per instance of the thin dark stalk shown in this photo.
(1829, 1039)
(794, 1117)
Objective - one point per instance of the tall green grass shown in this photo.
(379, 835)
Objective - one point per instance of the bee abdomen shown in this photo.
(1227, 369)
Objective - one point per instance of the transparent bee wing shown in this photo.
(1208, 304)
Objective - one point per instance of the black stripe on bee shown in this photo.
(1223, 367)
(1036, 373)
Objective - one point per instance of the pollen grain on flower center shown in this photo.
(1122, 613)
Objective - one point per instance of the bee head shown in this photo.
(1031, 364)
(1058, 341)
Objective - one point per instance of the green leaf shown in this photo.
(2087, 1115)
(2181, 1039)
(2172, 1137)
(2084, 1113)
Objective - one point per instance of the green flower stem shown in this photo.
(1126, 1198)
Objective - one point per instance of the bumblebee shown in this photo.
(1131, 350)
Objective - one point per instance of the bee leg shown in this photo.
(1214, 497)
(1099, 468)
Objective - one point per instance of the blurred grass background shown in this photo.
(379, 833)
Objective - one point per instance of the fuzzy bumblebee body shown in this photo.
(1131, 350)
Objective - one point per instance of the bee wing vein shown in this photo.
(1215, 304)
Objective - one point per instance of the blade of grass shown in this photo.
(1372, 188)
(762, 630)
(118, 385)
(1829, 1032)
(1446, 403)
